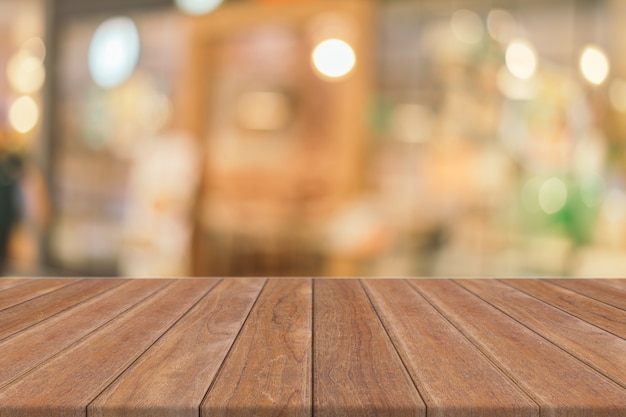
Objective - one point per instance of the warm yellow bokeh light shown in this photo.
(333, 58)
(521, 59)
(594, 65)
(25, 72)
(24, 114)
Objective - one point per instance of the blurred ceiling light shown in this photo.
(198, 7)
(617, 94)
(521, 59)
(514, 88)
(263, 110)
(23, 114)
(467, 26)
(114, 52)
(25, 72)
(552, 195)
(501, 25)
(333, 58)
(594, 65)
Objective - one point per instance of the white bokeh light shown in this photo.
(333, 58)
(521, 59)
(114, 52)
(24, 114)
(594, 65)
(198, 7)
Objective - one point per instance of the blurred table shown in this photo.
(302, 347)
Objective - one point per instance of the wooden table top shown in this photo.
(312, 347)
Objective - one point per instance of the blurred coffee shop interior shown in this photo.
(313, 137)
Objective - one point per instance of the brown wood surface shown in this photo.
(29, 290)
(599, 314)
(312, 347)
(596, 289)
(28, 313)
(356, 369)
(192, 350)
(598, 348)
(558, 382)
(268, 371)
(423, 337)
(50, 336)
(6, 283)
(82, 371)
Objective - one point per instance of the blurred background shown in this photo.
(305, 137)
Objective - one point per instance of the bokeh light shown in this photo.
(501, 25)
(198, 7)
(114, 52)
(24, 114)
(25, 72)
(594, 65)
(333, 58)
(521, 59)
(467, 26)
(552, 195)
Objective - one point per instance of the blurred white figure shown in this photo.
(158, 223)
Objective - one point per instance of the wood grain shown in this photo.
(559, 383)
(6, 283)
(50, 336)
(357, 371)
(268, 371)
(432, 348)
(87, 367)
(595, 289)
(29, 290)
(28, 313)
(592, 311)
(598, 348)
(172, 377)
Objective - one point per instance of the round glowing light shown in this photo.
(594, 65)
(333, 58)
(467, 26)
(617, 94)
(25, 72)
(552, 195)
(521, 59)
(23, 114)
(514, 88)
(114, 52)
(501, 25)
(198, 7)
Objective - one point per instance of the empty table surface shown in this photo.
(312, 347)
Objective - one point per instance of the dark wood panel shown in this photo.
(596, 347)
(173, 376)
(30, 312)
(268, 371)
(434, 351)
(86, 368)
(357, 371)
(25, 350)
(30, 290)
(595, 289)
(558, 382)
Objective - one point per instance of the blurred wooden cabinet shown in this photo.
(282, 143)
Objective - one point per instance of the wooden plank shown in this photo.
(434, 352)
(595, 312)
(615, 283)
(30, 290)
(29, 348)
(172, 377)
(6, 283)
(598, 348)
(357, 371)
(268, 371)
(595, 289)
(82, 371)
(33, 311)
(559, 383)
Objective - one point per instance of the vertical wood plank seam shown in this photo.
(230, 349)
(504, 281)
(552, 282)
(77, 340)
(69, 284)
(486, 355)
(395, 348)
(313, 280)
(586, 364)
(152, 344)
(2, 339)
